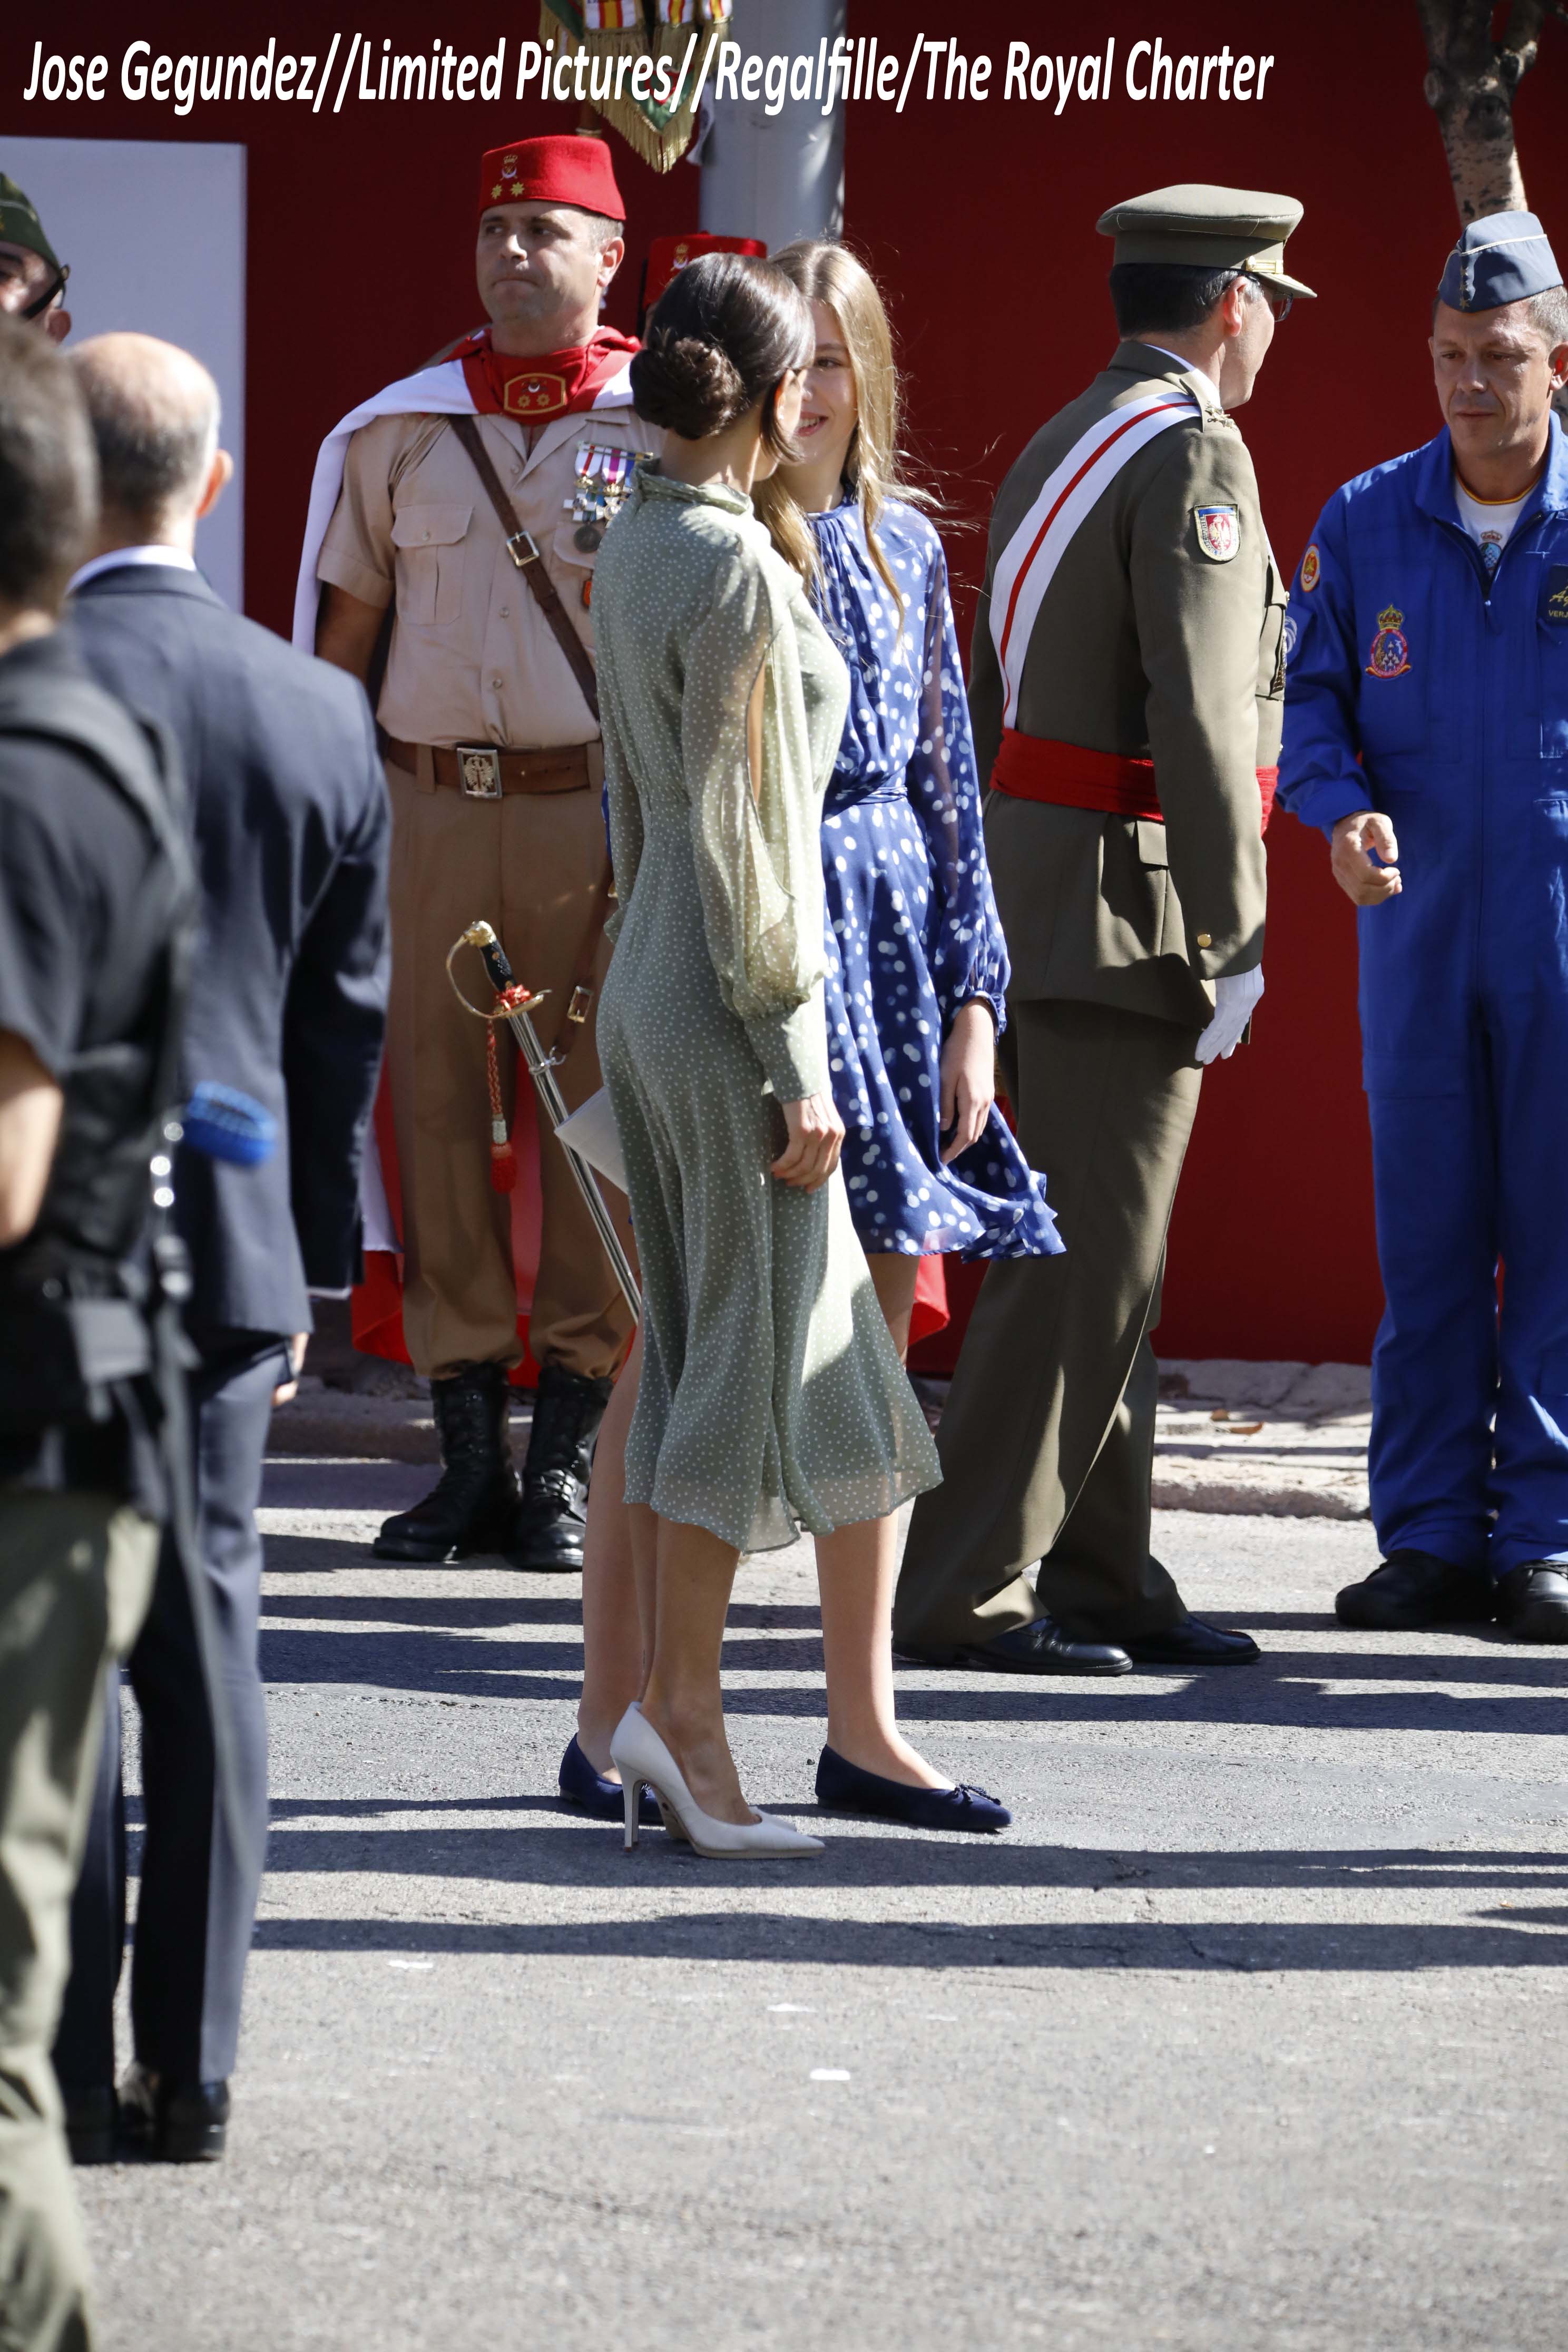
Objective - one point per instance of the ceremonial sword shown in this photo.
(542, 1070)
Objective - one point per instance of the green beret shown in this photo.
(1227, 228)
(20, 224)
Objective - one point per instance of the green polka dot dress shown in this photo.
(771, 1398)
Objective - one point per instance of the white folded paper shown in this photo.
(592, 1134)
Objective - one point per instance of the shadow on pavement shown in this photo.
(581, 1851)
(431, 1652)
(773, 1939)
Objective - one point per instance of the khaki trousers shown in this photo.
(75, 1576)
(530, 865)
(1048, 1439)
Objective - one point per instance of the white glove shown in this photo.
(1233, 1002)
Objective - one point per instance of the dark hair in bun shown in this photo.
(724, 333)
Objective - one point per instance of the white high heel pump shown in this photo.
(643, 1760)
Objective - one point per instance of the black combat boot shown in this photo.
(473, 1504)
(566, 1417)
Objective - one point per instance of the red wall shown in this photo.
(979, 219)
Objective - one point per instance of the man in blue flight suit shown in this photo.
(1426, 732)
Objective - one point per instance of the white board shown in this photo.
(153, 230)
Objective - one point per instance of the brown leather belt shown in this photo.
(483, 772)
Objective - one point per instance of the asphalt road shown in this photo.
(1248, 2035)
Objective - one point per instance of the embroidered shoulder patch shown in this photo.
(1389, 654)
(1310, 567)
(1219, 532)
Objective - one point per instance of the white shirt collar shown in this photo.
(1187, 369)
(175, 557)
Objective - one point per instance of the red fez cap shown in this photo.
(573, 170)
(668, 254)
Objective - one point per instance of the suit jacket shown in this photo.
(1146, 645)
(288, 810)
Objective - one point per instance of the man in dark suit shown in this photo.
(290, 814)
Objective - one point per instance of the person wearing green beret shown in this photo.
(32, 275)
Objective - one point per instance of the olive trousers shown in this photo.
(75, 1576)
(1048, 1439)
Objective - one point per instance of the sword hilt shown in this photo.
(482, 936)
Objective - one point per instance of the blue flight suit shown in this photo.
(1452, 691)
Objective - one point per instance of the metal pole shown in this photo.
(542, 1070)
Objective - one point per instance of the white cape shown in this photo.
(440, 390)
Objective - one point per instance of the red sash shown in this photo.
(1037, 768)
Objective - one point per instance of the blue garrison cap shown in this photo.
(1504, 257)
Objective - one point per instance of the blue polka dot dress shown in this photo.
(912, 928)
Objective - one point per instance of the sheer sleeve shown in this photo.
(759, 862)
(969, 955)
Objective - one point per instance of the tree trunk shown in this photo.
(1471, 83)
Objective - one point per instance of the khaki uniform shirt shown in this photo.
(1144, 645)
(472, 657)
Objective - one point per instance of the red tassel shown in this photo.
(504, 1159)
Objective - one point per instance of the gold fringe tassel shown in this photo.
(612, 29)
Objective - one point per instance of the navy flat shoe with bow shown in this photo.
(844, 1788)
(592, 1793)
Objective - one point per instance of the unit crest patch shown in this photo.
(535, 395)
(1219, 532)
(1389, 656)
(1312, 566)
(1287, 639)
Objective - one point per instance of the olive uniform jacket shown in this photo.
(1149, 646)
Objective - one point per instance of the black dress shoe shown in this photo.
(1414, 1590)
(846, 1788)
(473, 1504)
(1190, 1643)
(1532, 1602)
(1043, 1648)
(594, 1793)
(90, 2121)
(173, 2123)
(547, 1536)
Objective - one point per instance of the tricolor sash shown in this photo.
(1027, 564)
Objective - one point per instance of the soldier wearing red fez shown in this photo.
(470, 498)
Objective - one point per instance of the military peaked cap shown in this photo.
(1224, 228)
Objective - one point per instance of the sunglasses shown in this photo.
(1276, 298)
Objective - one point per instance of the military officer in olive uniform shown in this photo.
(471, 498)
(1127, 685)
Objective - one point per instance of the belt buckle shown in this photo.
(582, 1003)
(479, 767)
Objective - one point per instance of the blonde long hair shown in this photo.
(874, 464)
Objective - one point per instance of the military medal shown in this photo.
(603, 479)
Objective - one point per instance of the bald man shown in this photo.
(289, 812)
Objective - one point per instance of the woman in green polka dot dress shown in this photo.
(771, 1398)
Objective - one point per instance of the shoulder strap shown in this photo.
(136, 755)
(521, 547)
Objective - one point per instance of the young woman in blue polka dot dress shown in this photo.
(916, 963)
